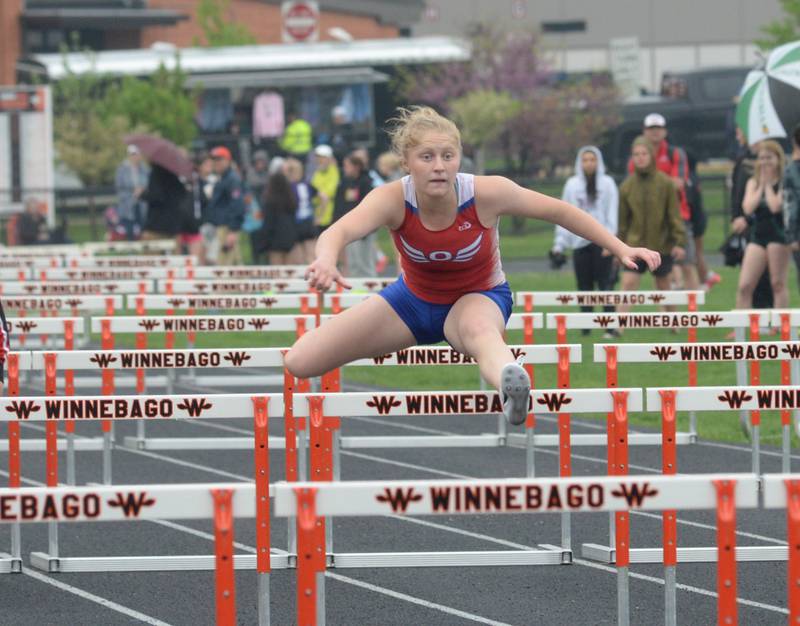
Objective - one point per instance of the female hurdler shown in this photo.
(452, 287)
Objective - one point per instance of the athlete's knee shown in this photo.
(476, 327)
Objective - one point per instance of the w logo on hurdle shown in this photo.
(23, 409)
(634, 494)
(656, 298)
(30, 288)
(25, 326)
(258, 323)
(175, 301)
(399, 499)
(793, 350)
(603, 320)
(554, 401)
(110, 288)
(564, 299)
(103, 360)
(201, 287)
(379, 360)
(148, 324)
(195, 406)
(370, 285)
(268, 302)
(131, 503)
(143, 273)
(712, 320)
(735, 398)
(384, 404)
(280, 287)
(663, 352)
(74, 302)
(237, 358)
(218, 273)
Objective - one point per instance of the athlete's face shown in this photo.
(434, 163)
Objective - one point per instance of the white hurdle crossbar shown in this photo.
(309, 502)
(531, 299)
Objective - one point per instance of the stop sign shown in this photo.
(300, 21)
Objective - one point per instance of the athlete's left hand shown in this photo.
(630, 255)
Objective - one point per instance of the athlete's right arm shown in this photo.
(383, 206)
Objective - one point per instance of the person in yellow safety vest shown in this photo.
(297, 137)
(326, 181)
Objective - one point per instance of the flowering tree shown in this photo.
(553, 119)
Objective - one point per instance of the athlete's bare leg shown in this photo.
(475, 327)
(371, 328)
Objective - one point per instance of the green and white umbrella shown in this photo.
(769, 102)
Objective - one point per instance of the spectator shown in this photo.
(32, 225)
(341, 138)
(326, 181)
(699, 219)
(226, 208)
(743, 169)
(381, 260)
(204, 190)
(130, 182)
(305, 231)
(360, 257)
(258, 173)
(649, 216)
(596, 193)
(166, 196)
(791, 199)
(389, 166)
(763, 211)
(297, 137)
(279, 232)
(672, 161)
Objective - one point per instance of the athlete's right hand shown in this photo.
(321, 275)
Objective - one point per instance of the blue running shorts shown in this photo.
(425, 319)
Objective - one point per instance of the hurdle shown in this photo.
(309, 503)
(788, 321)
(668, 401)
(783, 492)
(784, 351)
(259, 286)
(325, 462)
(51, 409)
(30, 287)
(19, 362)
(133, 261)
(529, 299)
(143, 326)
(222, 503)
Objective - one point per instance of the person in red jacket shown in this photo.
(673, 162)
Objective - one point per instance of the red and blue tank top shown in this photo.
(440, 266)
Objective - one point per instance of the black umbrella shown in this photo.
(162, 152)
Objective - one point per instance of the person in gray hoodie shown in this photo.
(592, 190)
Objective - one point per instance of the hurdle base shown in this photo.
(600, 439)
(549, 555)
(604, 554)
(10, 564)
(198, 443)
(38, 445)
(202, 562)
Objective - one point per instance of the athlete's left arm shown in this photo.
(497, 195)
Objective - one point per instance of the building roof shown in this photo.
(283, 57)
(100, 17)
(393, 12)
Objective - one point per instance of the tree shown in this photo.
(161, 104)
(782, 31)
(218, 29)
(88, 134)
(482, 116)
(554, 117)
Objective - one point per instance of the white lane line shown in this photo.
(167, 459)
(93, 598)
(402, 596)
(421, 468)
